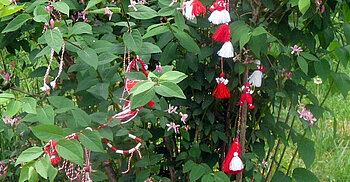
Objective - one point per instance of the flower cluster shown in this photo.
(320, 7)
(306, 115)
(10, 121)
(173, 125)
(7, 76)
(286, 74)
(3, 169)
(296, 50)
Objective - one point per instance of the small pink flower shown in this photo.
(48, 9)
(264, 163)
(133, 4)
(306, 115)
(2, 72)
(108, 12)
(171, 109)
(7, 77)
(183, 117)
(188, 127)
(296, 49)
(52, 23)
(174, 126)
(159, 68)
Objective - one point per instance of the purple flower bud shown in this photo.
(52, 23)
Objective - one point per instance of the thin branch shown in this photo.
(27, 93)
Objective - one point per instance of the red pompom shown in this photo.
(151, 103)
(222, 91)
(222, 34)
(232, 163)
(198, 8)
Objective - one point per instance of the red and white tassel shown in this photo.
(192, 9)
(255, 78)
(222, 91)
(222, 34)
(219, 13)
(246, 96)
(226, 50)
(50, 149)
(233, 163)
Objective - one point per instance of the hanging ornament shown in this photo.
(219, 13)
(247, 96)
(222, 34)
(233, 163)
(226, 50)
(192, 9)
(50, 149)
(222, 91)
(255, 78)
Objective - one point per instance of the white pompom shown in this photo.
(226, 50)
(256, 78)
(236, 163)
(187, 10)
(219, 17)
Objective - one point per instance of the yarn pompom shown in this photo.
(192, 9)
(222, 34)
(219, 13)
(222, 91)
(198, 8)
(226, 50)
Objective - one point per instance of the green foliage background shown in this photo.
(92, 81)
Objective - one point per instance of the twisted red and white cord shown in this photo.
(129, 161)
(86, 173)
(60, 69)
(46, 87)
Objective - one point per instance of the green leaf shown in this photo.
(279, 176)
(47, 132)
(9, 10)
(173, 76)
(143, 87)
(46, 115)
(309, 56)
(185, 134)
(322, 69)
(188, 166)
(5, 2)
(70, 150)
(29, 155)
(343, 55)
(60, 102)
(342, 81)
(169, 53)
(258, 31)
(346, 28)
(80, 28)
(244, 39)
(142, 98)
(24, 174)
(29, 105)
(167, 11)
(54, 39)
(306, 151)
(135, 76)
(81, 117)
(100, 90)
(208, 178)
(156, 31)
(169, 89)
(221, 177)
(42, 166)
(89, 56)
(91, 140)
(186, 41)
(12, 108)
(196, 172)
(303, 64)
(149, 48)
(62, 7)
(142, 13)
(16, 23)
(92, 3)
(133, 40)
(303, 5)
(304, 175)
(122, 132)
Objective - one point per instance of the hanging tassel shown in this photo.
(219, 13)
(226, 50)
(222, 34)
(50, 149)
(222, 91)
(198, 8)
(233, 163)
(192, 9)
(255, 78)
(246, 96)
